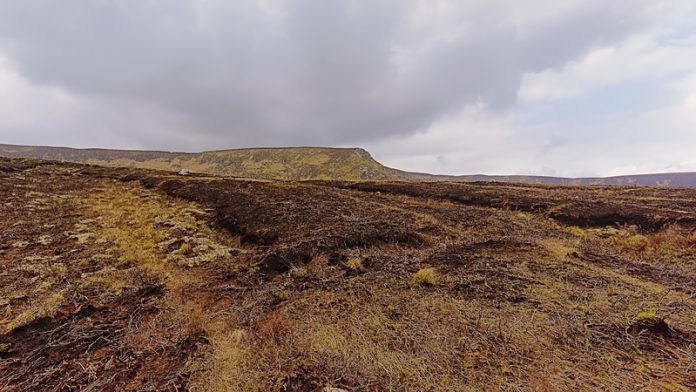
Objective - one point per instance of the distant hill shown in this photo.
(666, 180)
(306, 163)
(291, 163)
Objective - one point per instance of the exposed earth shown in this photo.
(121, 279)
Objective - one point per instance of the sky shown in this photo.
(537, 87)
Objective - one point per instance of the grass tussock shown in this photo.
(185, 249)
(355, 264)
(647, 315)
(425, 277)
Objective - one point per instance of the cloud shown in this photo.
(448, 76)
(26, 107)
(640, 59)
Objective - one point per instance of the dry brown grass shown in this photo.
(228, 372)
(473, 346)
(46, 306)
(129, 222)
(665, 245)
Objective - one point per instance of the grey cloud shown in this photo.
(314, 72)
(582, 26)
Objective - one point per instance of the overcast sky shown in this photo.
(572, 87)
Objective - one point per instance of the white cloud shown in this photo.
(640, 59)
(477, 140)
(471, 140)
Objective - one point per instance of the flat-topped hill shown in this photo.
(290, 163)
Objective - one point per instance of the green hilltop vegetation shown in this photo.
(292, 163)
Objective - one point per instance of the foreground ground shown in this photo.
(114, 279)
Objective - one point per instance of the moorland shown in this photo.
(137, 279)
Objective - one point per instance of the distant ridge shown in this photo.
(306, 163)
(284, 163)
(664, 180)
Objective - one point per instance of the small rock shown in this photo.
(184, 172)
(198, 214)
(81, 238)
(20, 244)
(81, 227)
